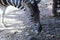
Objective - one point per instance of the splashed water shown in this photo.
(18, 20)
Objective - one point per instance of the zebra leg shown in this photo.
(34, 9)
(35, 13)
(3, 24)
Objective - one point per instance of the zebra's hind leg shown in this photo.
(3, 24)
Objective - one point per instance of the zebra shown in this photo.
(21, 4)
(16, 3)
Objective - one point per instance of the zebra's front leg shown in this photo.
(3, 24)
(35, 16)
(35, 11)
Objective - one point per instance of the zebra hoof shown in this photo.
(39, 29)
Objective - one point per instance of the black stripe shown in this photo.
(5, 2)
(1, 2)
(19, 4)
(14, 3)
(22, 7)
(10, 2)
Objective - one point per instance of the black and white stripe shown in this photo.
(19, 4)
(15, 3)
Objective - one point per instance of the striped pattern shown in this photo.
(34, 10)
(16, 3)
